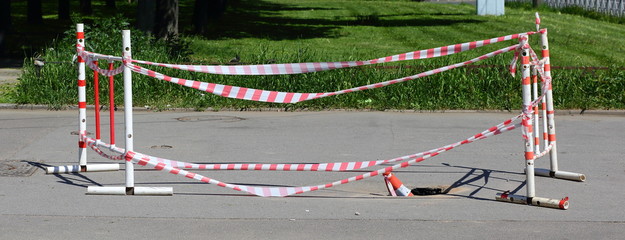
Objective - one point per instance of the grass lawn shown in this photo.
(348, 30)
(284, 31)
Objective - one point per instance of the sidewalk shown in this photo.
(40, 206)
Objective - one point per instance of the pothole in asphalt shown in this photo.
(17, 168)
(433, 190)
(209, 118)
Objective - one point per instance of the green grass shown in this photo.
(323, 30)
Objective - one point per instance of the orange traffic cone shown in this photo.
(395, 186)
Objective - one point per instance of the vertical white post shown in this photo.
(130, 188)
(551, 124)
(130, 178)
(527, 123)
(82, 117)
(82, 98)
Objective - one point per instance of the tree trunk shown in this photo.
(200, 16)
(167, 22)
(63, 9)
(5, 15)
(536, 3)
(34, 12)
(85, 7)
(111, 4)
(5, 24)
(145, 15)
(207, 13)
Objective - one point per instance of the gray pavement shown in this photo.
(41, 206)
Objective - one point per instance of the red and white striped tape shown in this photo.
(337, 166)
(297, 68)
(291, 97)
(145, 160)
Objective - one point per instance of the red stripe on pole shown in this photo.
(563, 202)
(529, 155)
(112, 106)
(96, 99)
(82, 83)
(82, 104)
(80, 35)
(552, 137)
(82, 144)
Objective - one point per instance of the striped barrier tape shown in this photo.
(337, 166)
(145, 160)
(297, 68)
(291, 97)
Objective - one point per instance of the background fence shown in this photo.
(610, 7)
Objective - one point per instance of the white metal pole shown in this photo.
(130, 178)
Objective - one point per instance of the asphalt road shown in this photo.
(34, 205)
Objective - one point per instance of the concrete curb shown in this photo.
(12, 106)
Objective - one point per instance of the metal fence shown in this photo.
(610, 7)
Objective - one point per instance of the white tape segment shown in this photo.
(146, 160)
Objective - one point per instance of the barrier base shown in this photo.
(121, 190)
(560, 174)
(84, 168)
(535, 201)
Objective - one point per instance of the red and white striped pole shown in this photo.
(551, 125)
(82, 99)
(530, 198)
(527, 121)
(82, 117)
